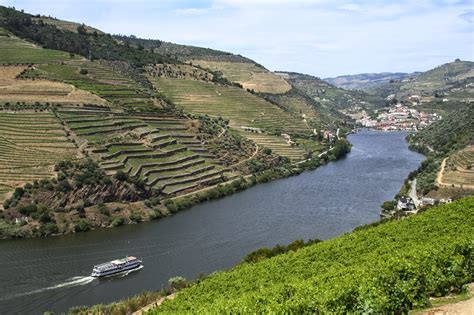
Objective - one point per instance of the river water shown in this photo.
(53, 273)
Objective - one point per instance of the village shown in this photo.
(399, 117)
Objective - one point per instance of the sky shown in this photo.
(324, 38)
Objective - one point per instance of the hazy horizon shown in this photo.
(318, 37)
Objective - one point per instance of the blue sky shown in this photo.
(320, 37)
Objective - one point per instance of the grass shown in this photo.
(30, 91)
(15, 50)
(389, 268)
(249, 75)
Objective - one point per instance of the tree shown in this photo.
(121, 176)
(81, 29)
(389, 205)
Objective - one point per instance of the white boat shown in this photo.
(128, 263)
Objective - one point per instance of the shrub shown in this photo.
(82, 226)
(48, 229)
(103, 209)
(121, 176)
(27, 210)
(118, 221)
(136, 217)
(177, 283)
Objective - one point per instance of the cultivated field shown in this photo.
(30, 144)
(240, 107)
(459, 169)
(43, 91)
(157, 148)
(278, 145)
(249, 75)
(105, 82)
(297, 106)
(16, 50)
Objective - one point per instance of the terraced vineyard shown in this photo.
(119, 90)
(237, 105)
(459, 170)
(14, 90)
(16, 50)
(156, 148)
(250, 75)
(30, 144)
(278, 145)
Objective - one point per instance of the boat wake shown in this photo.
(71, 282)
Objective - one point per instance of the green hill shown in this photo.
(443, 89)
(455, 131)
(390, 268)
(17, 50)
(142, 111)
(444, 139)
(332, 97)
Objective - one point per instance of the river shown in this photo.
(52, 273)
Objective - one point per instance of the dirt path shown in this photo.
(154, 304)
(439, 178)
(461, 308)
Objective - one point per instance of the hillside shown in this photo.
(389, 268)
(443, 89)
(446, 140)
(180, 52)
(368, 81)
(452, 133)
(331, 97)
(141, 113)
(250, 75)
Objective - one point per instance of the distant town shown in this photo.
(399, 117)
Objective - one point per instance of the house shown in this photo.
(428, 201)
(406, 204)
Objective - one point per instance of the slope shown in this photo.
(250, 75)
(16, 50)
(368, 81)
(445, 140)
(332, 97)
(443, 89)
(389, 268)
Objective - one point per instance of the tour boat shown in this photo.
(128, 263)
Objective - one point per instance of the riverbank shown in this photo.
(324, 203)
(370, 270)
(34, 222)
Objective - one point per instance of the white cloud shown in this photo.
(191, 11)
(352, 7)
(320, 37)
